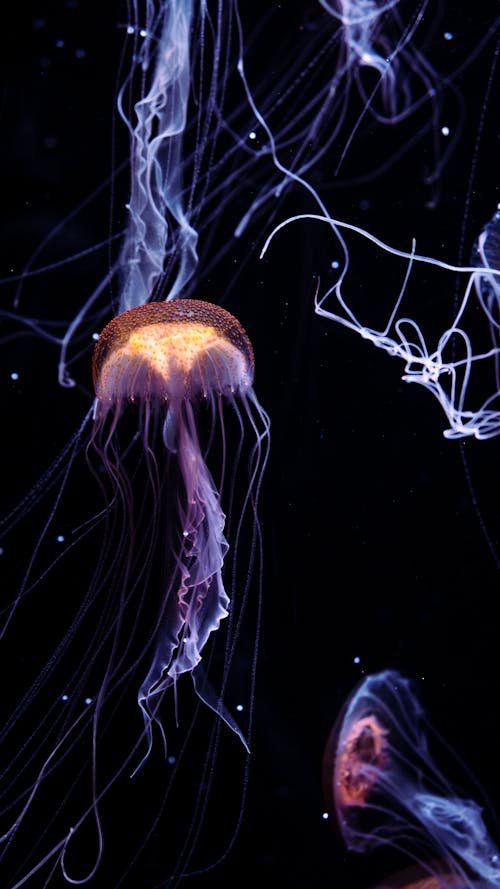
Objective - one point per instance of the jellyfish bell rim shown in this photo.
(329, 763)
(334, 805)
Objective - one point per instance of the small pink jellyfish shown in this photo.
(383, 789)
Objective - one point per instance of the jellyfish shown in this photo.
(167, 359)
(384, 790)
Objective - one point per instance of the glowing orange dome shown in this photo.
(170, 350)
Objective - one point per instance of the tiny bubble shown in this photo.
(252, 135)
(14, 375)
(130, 29)
(143, 32)
(239, 707)
(60, 538)
(325, 816)
(95, 336)
(445, 131)
(357, 660)
(64, 697)
(59, 44)
(171, 760)
(335, 264)
(88, 701)
(80, 53)
(448, 35)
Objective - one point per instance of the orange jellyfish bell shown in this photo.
(170, 351)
